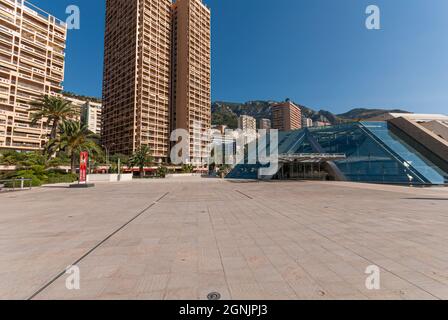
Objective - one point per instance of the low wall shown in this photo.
(108, 177)
(125, 177)
(182, 175)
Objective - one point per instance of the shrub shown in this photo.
(39, 176)
(58, 177)
(187, 168)
(161, 172)
(21, 159)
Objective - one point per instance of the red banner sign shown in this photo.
(84, 159)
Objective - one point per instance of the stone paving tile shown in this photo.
(292, 240)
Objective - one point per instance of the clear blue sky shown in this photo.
(316, 52)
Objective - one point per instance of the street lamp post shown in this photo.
(107, 156)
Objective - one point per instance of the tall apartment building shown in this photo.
(32, 57)
(191, 74)
(136, 86)
(156, 74)
(247, 123)
(286, 116)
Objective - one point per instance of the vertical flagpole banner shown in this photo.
(84, 158)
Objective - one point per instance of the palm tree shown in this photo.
(54, 109)
(141, 158)
(73, 139)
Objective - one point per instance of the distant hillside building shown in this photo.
(221, 128)
(87, 112)
(307, 122)
(77, 104)
(247, 123)
(286, 116)
(91, 116)
(265, 124)
(321, 124)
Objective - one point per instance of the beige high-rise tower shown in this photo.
(191, 74)
(136, 87)
(156, 74)
(286, 116)
(32, 54)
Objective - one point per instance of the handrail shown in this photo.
(15, 185)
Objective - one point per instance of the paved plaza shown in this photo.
(187, 237)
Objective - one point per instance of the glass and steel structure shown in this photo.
(373, 154)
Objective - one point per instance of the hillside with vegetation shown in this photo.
(227, 113)
(362, 114)
(81, 97)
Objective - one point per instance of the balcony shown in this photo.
(37, 89)
(27, 146)
(26, 128)
(26, 96)
(21, 107)
(31, 49)
(33, 61)
(25, 138)
(34, 42)
(7, 31)
(39, 71)
(7, 18)
(6, 9)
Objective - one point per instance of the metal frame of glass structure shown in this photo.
(374, 154)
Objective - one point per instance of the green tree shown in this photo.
(54, 109)
(113, 159)
(21, 159)
(141, 158)
(73, 139)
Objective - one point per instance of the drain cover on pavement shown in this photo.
(214, 296)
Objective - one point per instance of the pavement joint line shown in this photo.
(219, 251)
(356, 253)
(242, 193)
(427, 199)
(54, 279)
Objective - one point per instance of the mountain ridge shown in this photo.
(227, 113)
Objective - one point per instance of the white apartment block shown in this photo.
(87, 112)
(247, 123)
(307, 122)
(91, 116)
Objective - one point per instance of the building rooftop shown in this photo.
(421, 116)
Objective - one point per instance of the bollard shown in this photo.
(22, 183)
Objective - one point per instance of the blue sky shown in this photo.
(316, 52)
